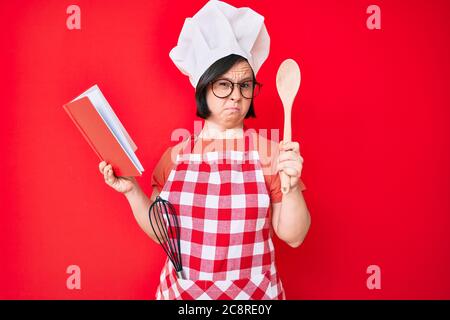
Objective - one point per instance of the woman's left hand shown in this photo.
(290, 162)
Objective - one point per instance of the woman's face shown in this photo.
(230, 112)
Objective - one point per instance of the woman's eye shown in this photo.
(245, 85)
(224, 84)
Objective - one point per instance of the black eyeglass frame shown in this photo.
(255, 84)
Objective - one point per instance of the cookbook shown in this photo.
(95, 119)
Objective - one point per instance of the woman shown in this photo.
(228, 199)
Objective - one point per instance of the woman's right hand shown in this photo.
(120, 184)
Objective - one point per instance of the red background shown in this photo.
(372, 118)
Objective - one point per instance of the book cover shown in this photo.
(105, 134)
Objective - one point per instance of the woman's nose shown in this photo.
(236, 94)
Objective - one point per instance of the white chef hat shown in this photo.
(216, 31)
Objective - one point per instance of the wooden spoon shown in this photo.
(288, 83)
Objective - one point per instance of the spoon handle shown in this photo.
(287, 137)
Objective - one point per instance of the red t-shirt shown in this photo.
(267, 149)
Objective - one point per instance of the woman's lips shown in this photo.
(232, 108)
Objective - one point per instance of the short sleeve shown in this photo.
(275, 188)
(162, 170)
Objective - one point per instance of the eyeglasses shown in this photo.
(223, 88)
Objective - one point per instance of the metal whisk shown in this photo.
(164, 222)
